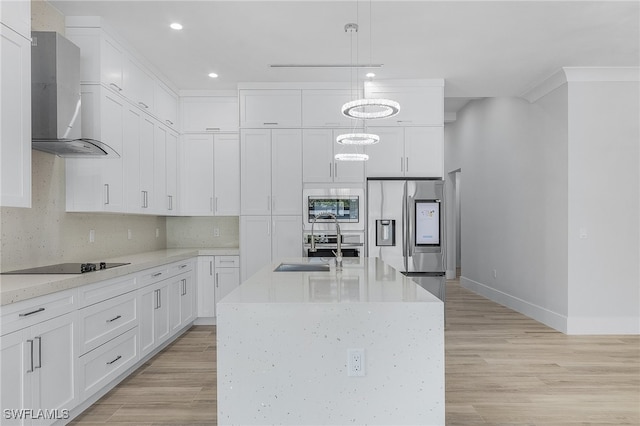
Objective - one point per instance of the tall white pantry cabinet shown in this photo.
(15, 110)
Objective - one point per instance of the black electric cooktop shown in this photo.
(66, 268)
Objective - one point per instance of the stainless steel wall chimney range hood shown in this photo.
(55, 99)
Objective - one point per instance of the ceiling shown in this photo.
(480, 48)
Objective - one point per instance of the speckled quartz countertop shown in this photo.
(361, 280)
(285, 342)
(15, 288)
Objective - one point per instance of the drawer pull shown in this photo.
(183, 266)
(157, 274)
(118, 88)
(31, 313)
(212, 128)
(113, 319)
(117, 358)
(271, 124)
(169, 122)
(227, 261)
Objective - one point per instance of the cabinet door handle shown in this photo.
(335, 166)
(169, 122)
(142, 199)
(31, 352)
(118, 88)
(31, 313)
(106, 193)
(170, 202)
(211, 128)
(115, 318)
(159, 299)
(215, 204)
(216, 280)
(330, 170)
(157, 292)
(211, 267)
(184, 287)
(117, 358)
(39, 339)
(407, 162)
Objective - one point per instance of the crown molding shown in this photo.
(581, 74)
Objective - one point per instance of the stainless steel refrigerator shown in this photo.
(405, 228)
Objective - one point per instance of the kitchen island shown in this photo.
(285, 341)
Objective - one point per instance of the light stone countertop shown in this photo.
(287, 344)
(15, 288)
(367, 280)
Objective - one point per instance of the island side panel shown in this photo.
(286, 363)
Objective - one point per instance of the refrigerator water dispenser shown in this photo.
(385, 232)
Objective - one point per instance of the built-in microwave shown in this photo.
(346, 204)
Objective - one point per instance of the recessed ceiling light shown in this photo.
(176, 26)
(213, 75)
(370, 75)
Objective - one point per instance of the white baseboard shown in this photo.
(538, 313)
(573, 325)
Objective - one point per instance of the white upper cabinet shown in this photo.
(15, 115)
(271, 171)
(323, 108)
(17, 16)
(138, 85)
(421, 101)
(406, 151)
(318, 163)
(210, 175)
(196, 175)
(209, 114)
(171, 168)
(165, 103)
(97, 184)
(226, 169)
(270, 108)
(105, 60)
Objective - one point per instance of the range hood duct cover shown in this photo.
(55, 99)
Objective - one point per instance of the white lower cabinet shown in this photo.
(154, 316)
(100, 366)
(38, 372)
(217, 277)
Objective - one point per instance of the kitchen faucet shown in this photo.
(338, 252)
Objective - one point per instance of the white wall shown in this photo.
(604, 139)
(537, 173)
(514, 201)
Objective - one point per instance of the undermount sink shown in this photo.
(302, 267)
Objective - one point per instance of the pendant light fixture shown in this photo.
(354, 138)
(369, 109)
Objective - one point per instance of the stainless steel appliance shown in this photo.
(66, 268)
(327, 242)
(405, 228)
(55, 99)
(346, 204)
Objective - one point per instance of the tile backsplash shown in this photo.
(47, 234)
(203, 232)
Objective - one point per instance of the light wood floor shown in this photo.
(502, 368)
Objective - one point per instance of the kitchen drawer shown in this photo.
(99, 323)
(103, 290)
(149, 276)
(103, 364)
(26, 313)
(178, 268)
(227, 261)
